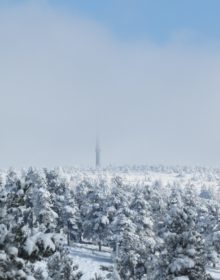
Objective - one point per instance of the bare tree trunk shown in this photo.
(68, 238)
(100, 246)
(79, 238)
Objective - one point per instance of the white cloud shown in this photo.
(158, 103)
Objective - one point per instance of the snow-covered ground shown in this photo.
(90, 260)
(214, 272)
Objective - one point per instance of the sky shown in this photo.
(146, 73)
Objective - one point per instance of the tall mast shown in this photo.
(97, 152)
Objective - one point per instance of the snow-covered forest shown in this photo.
(154, 223)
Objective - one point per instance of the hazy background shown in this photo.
(150, 75)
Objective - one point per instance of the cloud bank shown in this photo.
(60, 73)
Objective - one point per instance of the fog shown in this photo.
(61, 76)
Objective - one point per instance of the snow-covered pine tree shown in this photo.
(57, 185)
(183, 254)
(12, 230)
(143, 219)
(212, 231)
(22, 248)
(61, 266)
(71, 217)
(39, 199)
(96, 224)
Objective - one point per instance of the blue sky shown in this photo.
(157, 20)
(148, 69)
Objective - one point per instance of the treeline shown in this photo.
(160, 232)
